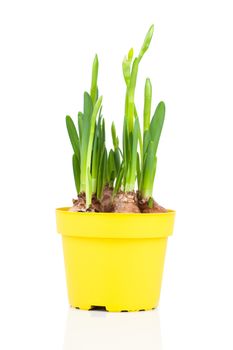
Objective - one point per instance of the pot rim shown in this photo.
(65, 209)
(114, 225)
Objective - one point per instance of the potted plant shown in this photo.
(114, 236)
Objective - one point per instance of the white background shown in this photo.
(47, 49)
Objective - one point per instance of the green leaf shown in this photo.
(87, 105)
(115, 142)
(90, 139)
(125, 141)
(87, 139)
(103, 130)
(92, 130)
(95, 161)
(101, 175)
(157, 125)
(105, 171)
(149, 171)
(84, 148)
(73, 135)
(80, 126)
(111, 167)
(135, 145)
(117, 159)
(76, 171)
(138, 170)
(88, 189)
(119, 179)
(146, 140)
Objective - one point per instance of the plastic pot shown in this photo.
(114, 261)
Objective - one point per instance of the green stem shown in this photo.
(89, 151)
(94, 89)
(139, 133)
(147, 105)
(86, 122)
(130, 93)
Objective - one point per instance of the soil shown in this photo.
(144, 207)
(79, 204)
(123, 202)
(126, 202)
(95, 205)
(107, 201)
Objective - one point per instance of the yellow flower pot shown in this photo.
(114, 261)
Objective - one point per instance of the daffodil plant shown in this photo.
(98, 172)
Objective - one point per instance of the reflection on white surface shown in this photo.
(103, 330)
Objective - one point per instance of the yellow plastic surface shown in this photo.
(112, 260)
